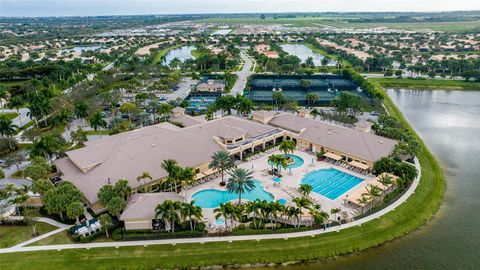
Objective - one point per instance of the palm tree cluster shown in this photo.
(176, 212)
(242, 104)
(287, 147)
(278, 161)
(261, 212)
(178, 175)
(114, 198)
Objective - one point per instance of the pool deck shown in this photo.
(289, 183)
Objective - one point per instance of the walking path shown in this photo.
(61, 227)
(203, 240)
(242, 75)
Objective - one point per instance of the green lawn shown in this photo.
(64, 238)
(10, 115)
(416, 211)
(427, 84)
(162, 53)
(342, 21)
(454, 26)
(195, 53)
(324, 53)
(13, 235)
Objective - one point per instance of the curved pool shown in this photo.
(212, 198)
(297, 162)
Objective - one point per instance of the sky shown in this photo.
(132, 7)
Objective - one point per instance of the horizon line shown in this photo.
(239, 13)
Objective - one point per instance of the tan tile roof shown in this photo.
(186, 120)
(128, 154)
(363, 145)
(142, 206)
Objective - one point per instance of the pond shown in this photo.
(302, 51)
(448, 122)
(183, 53)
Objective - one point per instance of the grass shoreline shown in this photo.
(428, 84)
(412, 214)
(158, 58)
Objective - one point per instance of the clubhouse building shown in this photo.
(127, 155)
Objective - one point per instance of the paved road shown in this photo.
(242, 75)
(22, 119)
(184, 88)
(285, 236)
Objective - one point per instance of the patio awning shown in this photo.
(209, 171)
(199, 176)
(359, 165)
(332, 156)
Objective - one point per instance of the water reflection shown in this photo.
(449, 123)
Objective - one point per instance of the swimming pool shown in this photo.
(330, 183)
(297, 162)
(212, 198)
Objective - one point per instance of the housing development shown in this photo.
(223, 140)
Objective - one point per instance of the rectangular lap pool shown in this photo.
(330, 183)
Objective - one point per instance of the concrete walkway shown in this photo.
(61, 227)
(203, 240)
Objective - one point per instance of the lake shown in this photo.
(221, 32)
(303, 52)
(449, 123)
(183, 53)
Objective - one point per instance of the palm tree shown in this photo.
(74, 210)
(106, 221)
(363, 202)
(335, 211)
(295, 213)
(302, 202)
(240, 181)
(123, 189)
(81, 111)
(311, 98)
(221, 161)
(305, 189)
(171, 166)
(145, 175)
(62, 118)
(279, 161)
(7, 128)
(386, 180)
(253, 208)
(191, 212)
(161, 212)
(272, 159)
(275, 208)
(374, 192)
(168, 212)
(97, 121)
(227, 211)
(186, 176)
(286, 147)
